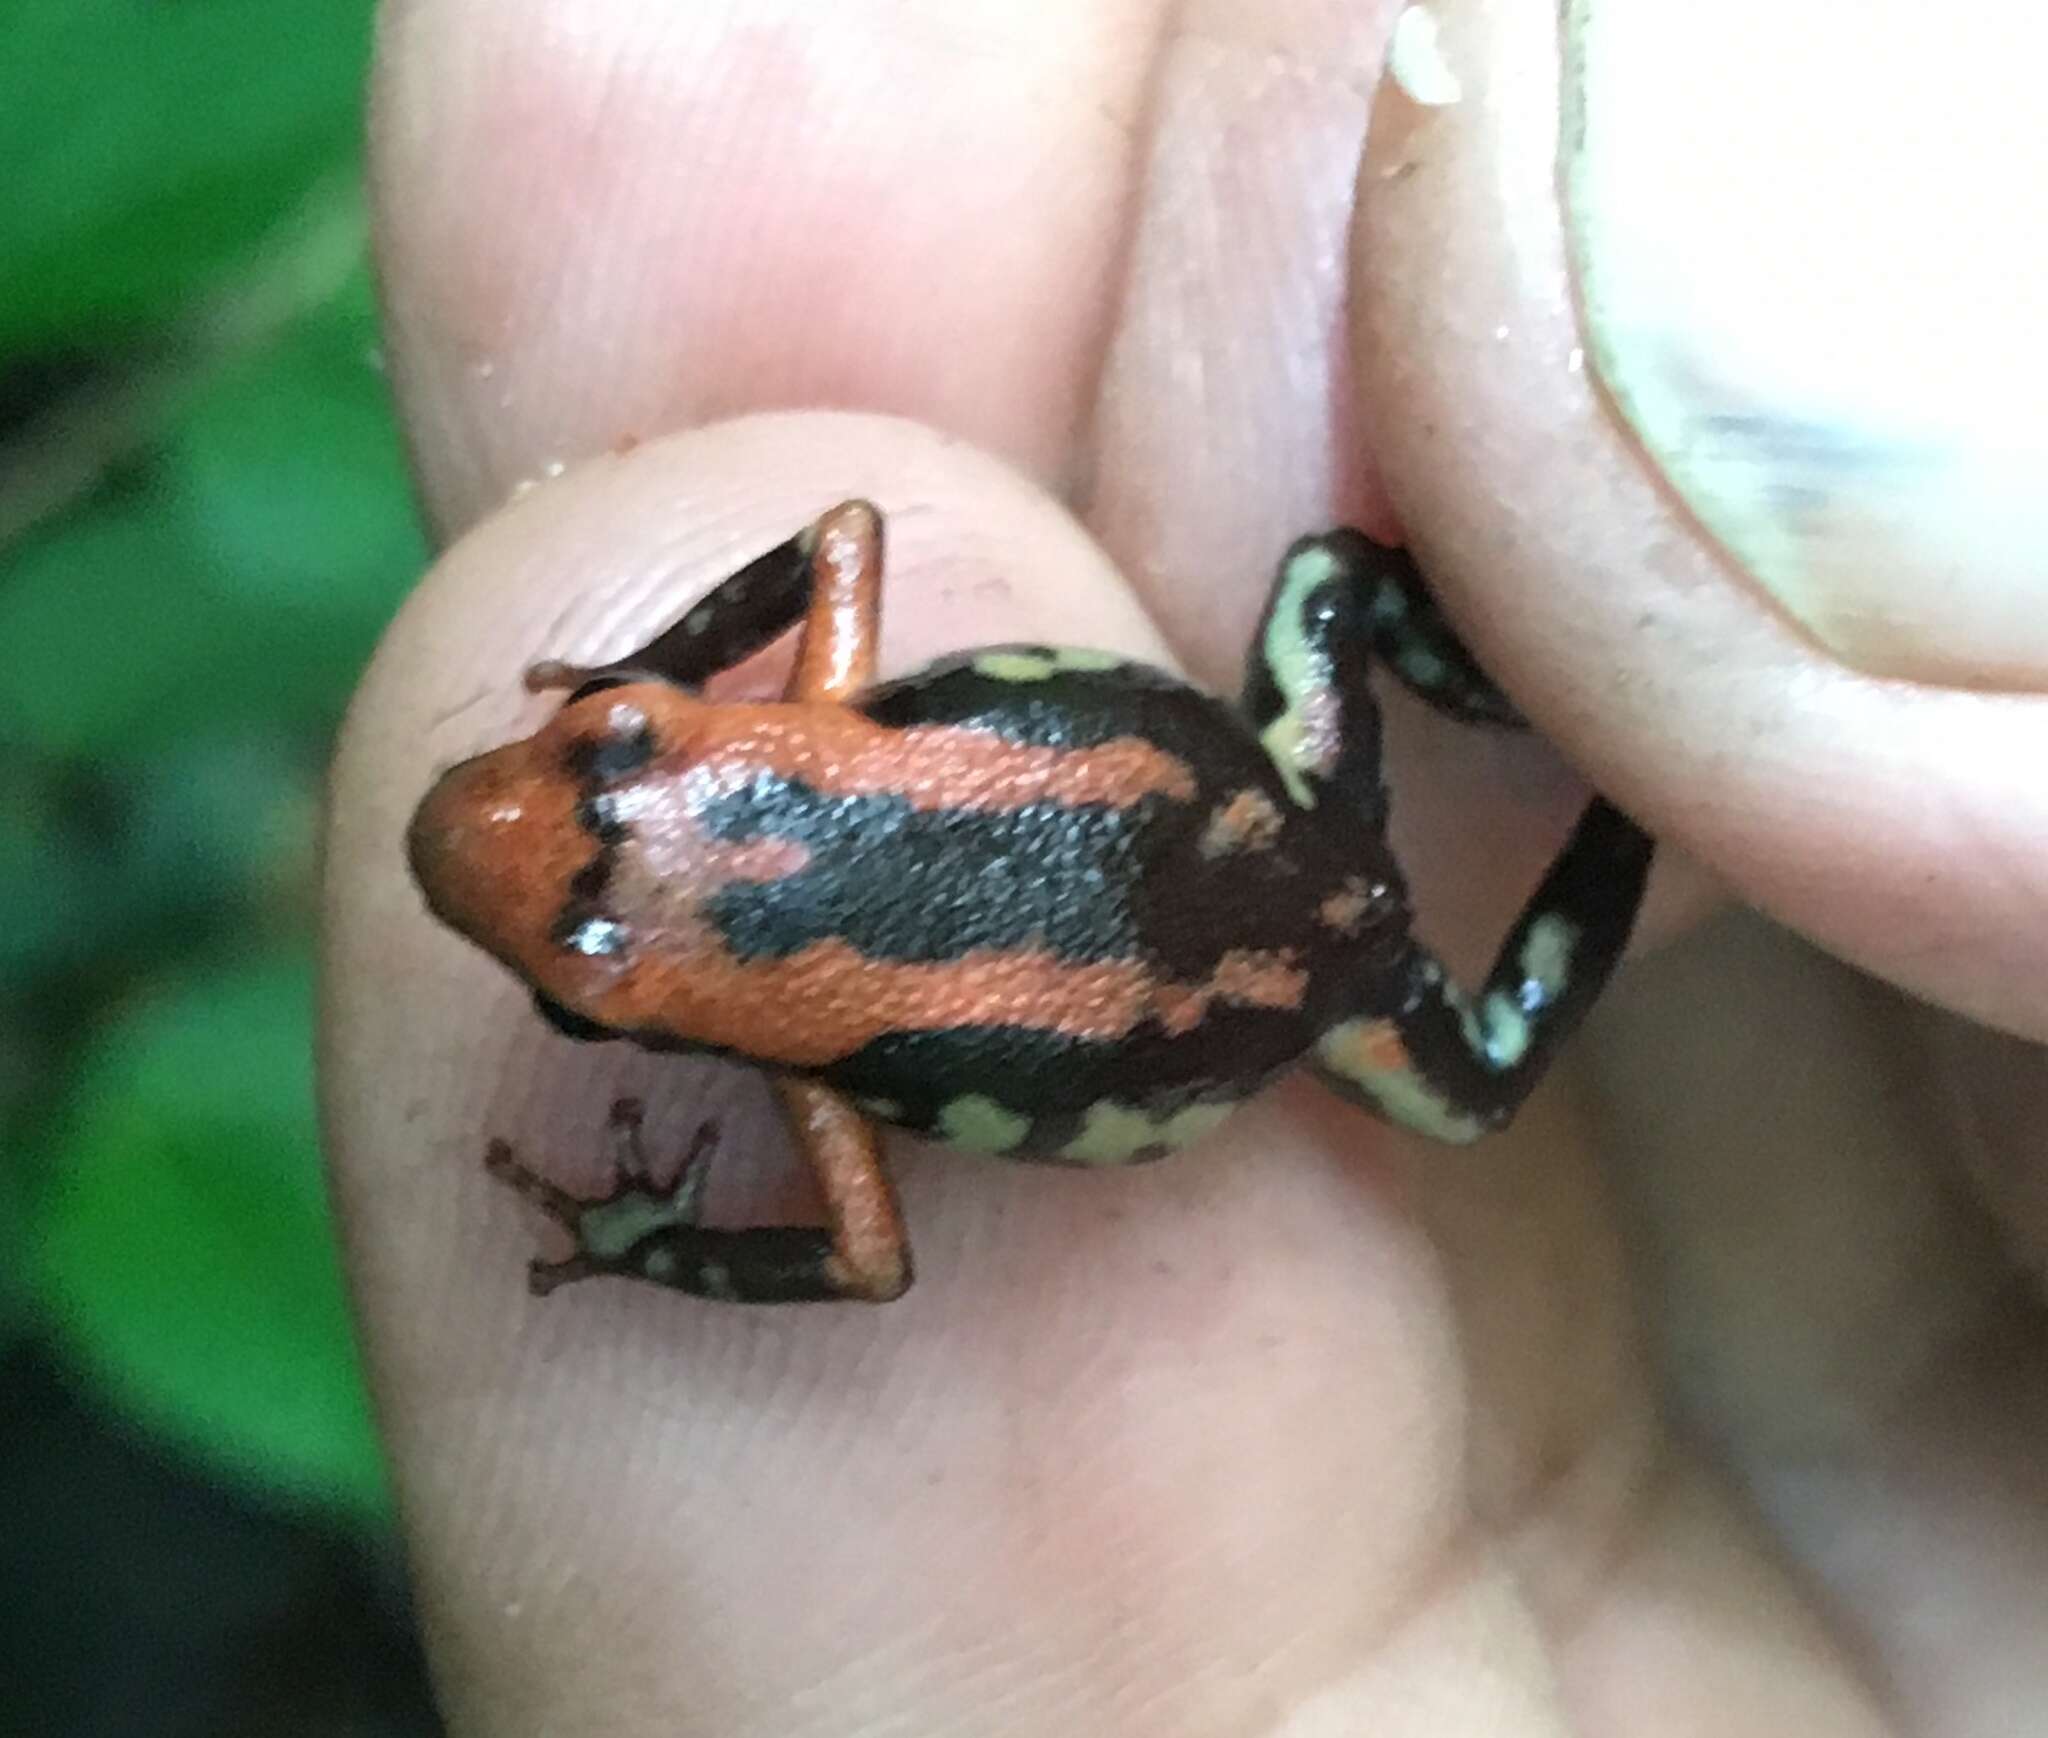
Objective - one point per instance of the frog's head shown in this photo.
(514, 849)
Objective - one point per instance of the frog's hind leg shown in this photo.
(763, 600)
(1424, 1052)
(1457, 1066)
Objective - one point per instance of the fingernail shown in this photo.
(1809, 243)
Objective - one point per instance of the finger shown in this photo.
(628, 1509)
(601, 222)
(1901, 823)
(1990, 1092)
(1835, 1317)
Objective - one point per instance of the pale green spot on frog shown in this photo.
(980, 1125)
(1503, 1030)
(1422, 667)
(1547, 954)
(1014, 666)
(1302, 674)
(1040, 664)
(1086, 658)
(1114, 1132)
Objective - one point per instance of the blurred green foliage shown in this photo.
(152, 148)
(204, 523)
(239, 579)
(185, 1252)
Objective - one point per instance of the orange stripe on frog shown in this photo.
(827, 1000)
(838, 752)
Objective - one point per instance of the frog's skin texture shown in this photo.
(1037, 902)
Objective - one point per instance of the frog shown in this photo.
(1040, 902)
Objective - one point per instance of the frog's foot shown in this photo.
(610, 1231)
(547, 675)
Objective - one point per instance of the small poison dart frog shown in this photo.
(1031, 901)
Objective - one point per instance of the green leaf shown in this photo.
(217, 820)
(48, 881)
(154, 855)
(290, 470)
(14, 1241)
(240, 580)
(152, 144)
(185, 1255)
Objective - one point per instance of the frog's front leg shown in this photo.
(1420, 1050)
(835, 660)
(641, 1229)
(729, 624)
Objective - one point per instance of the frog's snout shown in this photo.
(444, 834)
(473, 844)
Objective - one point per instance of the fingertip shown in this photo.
(1901, 824)
(600, 223)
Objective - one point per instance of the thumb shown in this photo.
(1656, 407)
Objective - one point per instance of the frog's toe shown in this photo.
(558, 1204)
(544, 1276)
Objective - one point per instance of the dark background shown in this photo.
(204, 523)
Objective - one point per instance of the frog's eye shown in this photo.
(622, 745)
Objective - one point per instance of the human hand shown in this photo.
(1676, 1410)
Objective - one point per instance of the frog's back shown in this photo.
(1135, 923)
(1065, 697)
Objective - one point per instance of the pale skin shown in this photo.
(1709, 1400)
